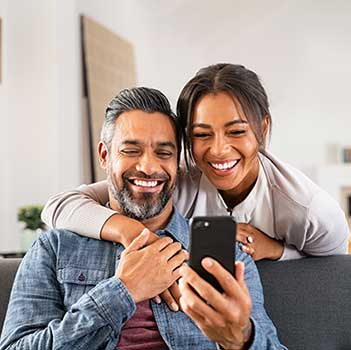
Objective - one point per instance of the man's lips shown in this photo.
(224, 167)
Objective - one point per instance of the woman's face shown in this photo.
(224, 145)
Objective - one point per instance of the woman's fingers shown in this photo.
(170, 300)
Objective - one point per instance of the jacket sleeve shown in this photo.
(82, 210)
(265, 334)
(38, 319)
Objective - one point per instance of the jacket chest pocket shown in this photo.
(76, 281)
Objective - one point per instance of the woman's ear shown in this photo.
(103, 155)
(265, 127)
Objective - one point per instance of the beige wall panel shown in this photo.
(110, 67)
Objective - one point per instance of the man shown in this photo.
(72, 292)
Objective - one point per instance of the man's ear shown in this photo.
(103, 155)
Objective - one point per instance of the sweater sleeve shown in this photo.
(82, 210)
(290, 253)
(327, 231)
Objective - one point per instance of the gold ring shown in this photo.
(249, 239)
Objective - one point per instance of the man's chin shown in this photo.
(141, 197)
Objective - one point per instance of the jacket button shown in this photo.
(81, 277)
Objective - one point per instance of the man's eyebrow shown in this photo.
(166, 144)
(131, 142)
(208, 126)
(138, 143)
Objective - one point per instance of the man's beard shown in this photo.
(146, 207)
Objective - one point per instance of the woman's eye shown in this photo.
(201, 135)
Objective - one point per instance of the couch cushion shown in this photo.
(309, 301)
(8, 269)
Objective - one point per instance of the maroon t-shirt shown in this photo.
(141, 332)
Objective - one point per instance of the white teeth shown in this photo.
(145, 183)
(224, 166)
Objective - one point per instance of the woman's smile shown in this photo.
(224, 168)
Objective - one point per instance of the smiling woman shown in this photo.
(224, 146)
(281, 213)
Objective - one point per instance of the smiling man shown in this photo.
(72, 292)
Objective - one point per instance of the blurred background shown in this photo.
(300, 49)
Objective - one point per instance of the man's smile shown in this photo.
(146, 185)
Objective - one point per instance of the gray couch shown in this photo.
(309, 300)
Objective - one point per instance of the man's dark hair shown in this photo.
(138, 98)
(241, 84)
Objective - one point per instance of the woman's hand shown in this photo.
(257, 244)
(224, 318)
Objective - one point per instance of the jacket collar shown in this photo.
(178, 228)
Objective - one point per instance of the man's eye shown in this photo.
(164, 154)
(201, 135)
(130, 152)
(237, 132)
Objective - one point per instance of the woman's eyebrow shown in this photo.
(236, 121)
(208, 126)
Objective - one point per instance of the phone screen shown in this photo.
(212, 237)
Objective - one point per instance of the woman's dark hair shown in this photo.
(242, 84)
(138, 98)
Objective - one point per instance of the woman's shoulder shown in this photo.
(288, 182)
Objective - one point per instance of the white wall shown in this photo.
(29, 120)
(300, 49)
(6, 206)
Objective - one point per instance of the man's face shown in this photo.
(142, 164)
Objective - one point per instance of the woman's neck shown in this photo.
(236, 195)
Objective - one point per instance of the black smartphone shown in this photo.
(212, 236)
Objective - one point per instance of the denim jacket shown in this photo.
(66, 296)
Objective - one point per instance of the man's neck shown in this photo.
(160, 221)
(155, 223)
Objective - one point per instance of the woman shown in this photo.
(225, 113)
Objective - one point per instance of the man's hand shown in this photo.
(147, 270)
(257, 244)
(224, 318)
(171, 295)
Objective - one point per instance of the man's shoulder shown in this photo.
(57, 235)
(72, 250)
(65, 240)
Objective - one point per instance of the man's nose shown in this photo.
(148, 164)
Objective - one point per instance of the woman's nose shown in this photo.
(219, 146)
